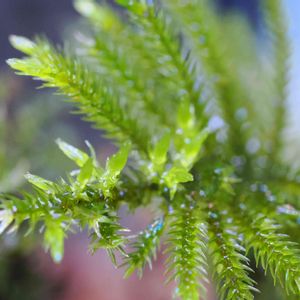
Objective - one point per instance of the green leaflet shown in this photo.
(39, 182)
(90, 169)
(54, 240)
(73, 153)
(85, 173)
(177, 175)
(6, 218)
(23, 44)
(189, 137)
(158, 154)
(170, 177)
(114, 166)
(116, 163)
(97, 14)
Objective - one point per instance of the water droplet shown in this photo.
(231, 232)
(241, 114)
(263, 188)
(243, 206)
(202, 39)
(261, 161)
(271, 198)
(253, 187)
(179, 131)
(215, 123)
(238, 161)
(221, 136)
(253, 145)
(187, 141)
(57, 256)
(212, 215)
(158, 226)
(287, 209)
(202, 193)
(218, 171)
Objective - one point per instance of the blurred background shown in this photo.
(31, 120)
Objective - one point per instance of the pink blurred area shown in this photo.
(83, 276)
(93, 277)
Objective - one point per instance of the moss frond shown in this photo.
(94, 98)
(230, 265)
(156, 76)
(274, 252)
(187, 240)
(144, 248)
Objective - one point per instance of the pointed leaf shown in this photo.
(159, 154)
(99, 15)
(54, 240)
(22, 44)
(39, 182)
(78, 156)
(177, 174)
(116, 163)
(6, 218)
(135, 6)
(186, 116)
(85, 173)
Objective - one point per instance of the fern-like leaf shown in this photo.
(95, 99)
(145, 248)
(187, 263)
(274, 252)
(231, 266)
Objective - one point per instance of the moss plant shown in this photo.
(158, 77)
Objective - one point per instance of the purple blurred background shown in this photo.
(31, 17)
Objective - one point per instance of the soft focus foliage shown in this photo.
(24, 146)
(198, 138)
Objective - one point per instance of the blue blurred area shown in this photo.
(293, 16)
(250, 8)
(31, 17)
